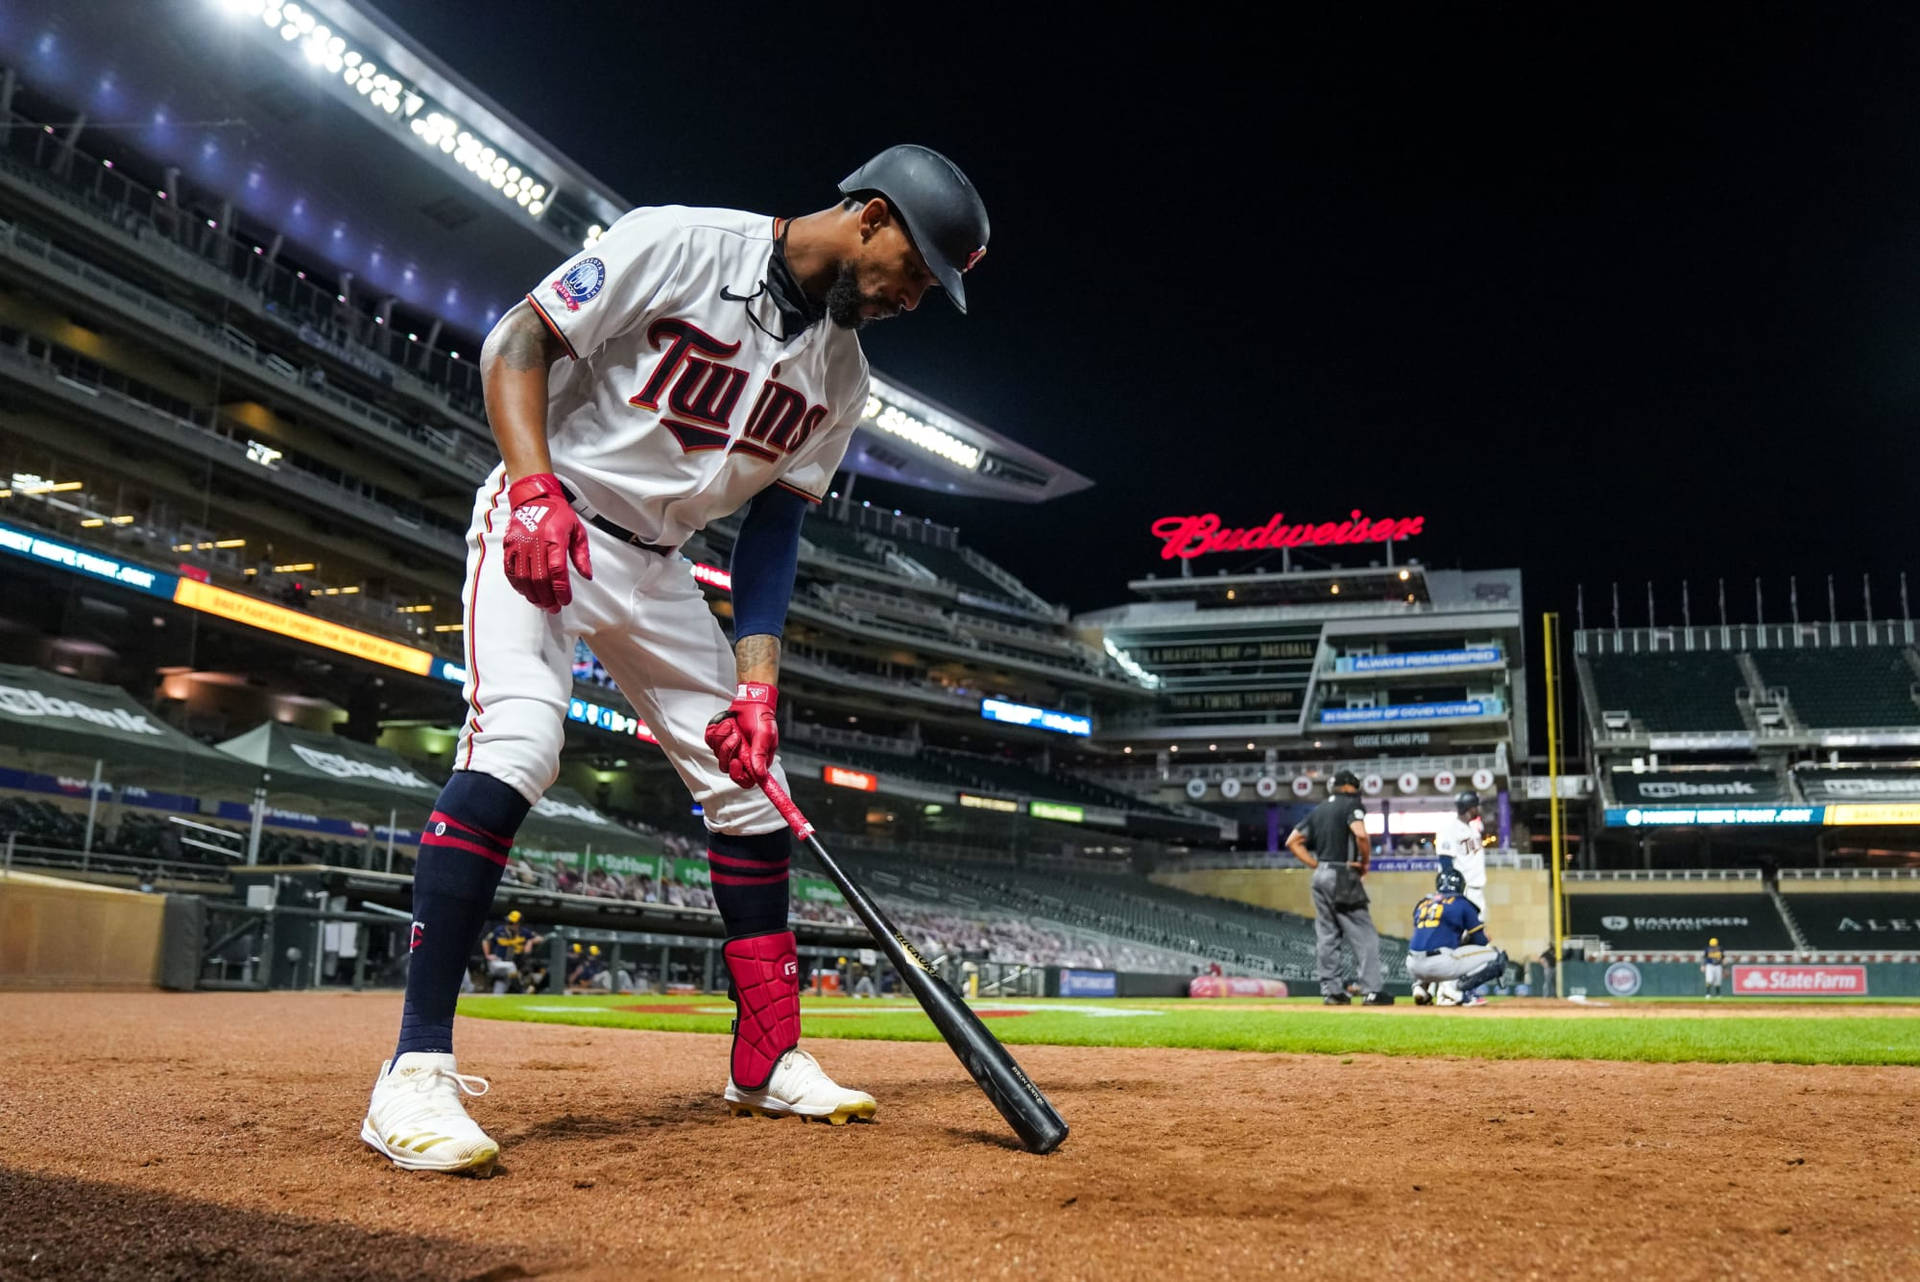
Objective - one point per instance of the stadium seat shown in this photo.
(1845, 688)
(1671, 692)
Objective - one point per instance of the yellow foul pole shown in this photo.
(1550, 629)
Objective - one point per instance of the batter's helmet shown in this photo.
(944, 214)
(1450, 882)
(1468, 800)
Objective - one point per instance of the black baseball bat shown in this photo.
(1037, 1123)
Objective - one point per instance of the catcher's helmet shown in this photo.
(1468, 800)
(1450, 882)
(944, 214)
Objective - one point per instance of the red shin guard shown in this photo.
(766, 993)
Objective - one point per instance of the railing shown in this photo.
(464, 458)
(1664, 874)
(18, 854)
(1515, 860)
(80, 374)
(1746, 637)
(215, 258)
(1849, 874)
(1389, 769)
(811, 732)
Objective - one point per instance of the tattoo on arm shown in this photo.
(525, 342)
(758, 658)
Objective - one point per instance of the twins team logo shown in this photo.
(1623, 979)
(580, 282)
(696, 393)
(418, 937)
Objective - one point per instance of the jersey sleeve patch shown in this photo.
(580, 283)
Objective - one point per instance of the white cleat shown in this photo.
(417, 1120)
(1422, 993)
(800, 1088)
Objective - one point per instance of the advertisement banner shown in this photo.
(1422, 661)
(1234, 986)
(1089, 983)
(1800, 981)
(690, 872)
(1736, 787)
(1712, 816)
(816, 891)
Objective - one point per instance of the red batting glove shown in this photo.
(745, 736)
(543, 533)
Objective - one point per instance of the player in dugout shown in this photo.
(689, 364)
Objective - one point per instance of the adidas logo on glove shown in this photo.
(529, 516)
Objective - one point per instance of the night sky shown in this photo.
(1602, 296)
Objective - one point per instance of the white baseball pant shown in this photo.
(1477, 896)
(645, 619)
(1444, 966)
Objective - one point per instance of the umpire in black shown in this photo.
(1333, 842)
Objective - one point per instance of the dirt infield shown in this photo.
(216, 1135)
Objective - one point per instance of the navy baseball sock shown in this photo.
(463, 851)
(749, 879)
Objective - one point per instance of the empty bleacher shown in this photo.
(836, 539)
(1670, 692)
(950, 565)
(1134, 908)
(1857, 921)
(1847, 687)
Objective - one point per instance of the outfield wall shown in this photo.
(1519, 902)
(56, 933)
(1683, 979)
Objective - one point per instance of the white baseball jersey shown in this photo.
(679, 405)
(677, 408)
(1460, 842)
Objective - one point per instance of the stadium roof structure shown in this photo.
(330, 124)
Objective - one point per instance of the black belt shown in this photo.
(620, 532)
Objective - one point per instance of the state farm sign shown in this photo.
(1800, 981)
(1186, 537)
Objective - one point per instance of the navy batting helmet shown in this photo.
(1450, 882)
(1468, 800)
(944, 214)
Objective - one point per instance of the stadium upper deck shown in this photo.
(244, 270)
(1792, 743)
(1268, 678)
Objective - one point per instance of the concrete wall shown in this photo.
(66, 934)
(1519, 904)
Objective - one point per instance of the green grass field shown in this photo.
(1643, 1031)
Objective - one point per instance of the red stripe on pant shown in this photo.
(728, 879)
(718, 860)
(436, 839)
(441, 817)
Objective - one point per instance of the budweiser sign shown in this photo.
(1186, 537)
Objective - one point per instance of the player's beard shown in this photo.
(845, 301)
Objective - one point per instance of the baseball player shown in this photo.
(1711, 971)
(691, 363)
(1461, 844)
(504, 947)
(1449, 955)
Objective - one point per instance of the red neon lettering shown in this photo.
(1186, 537)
